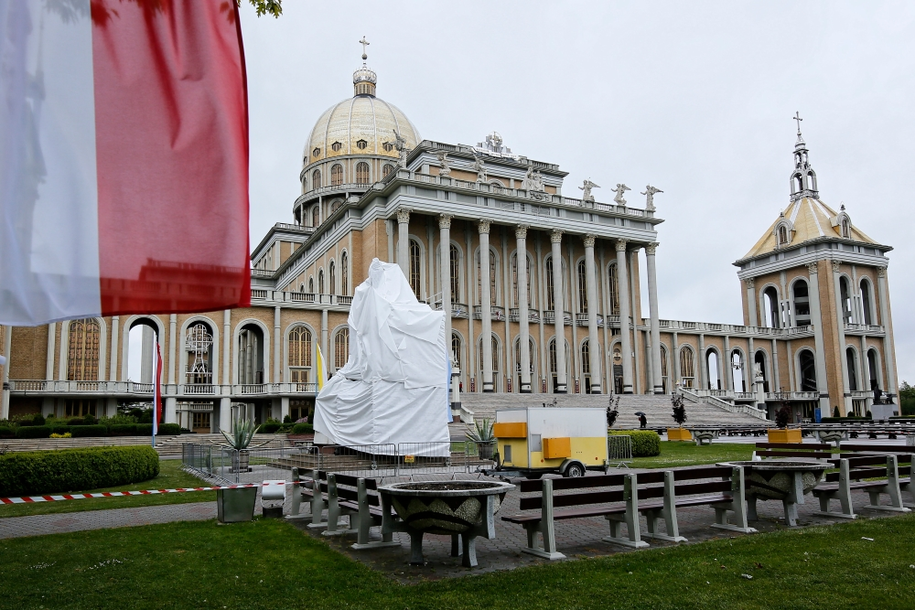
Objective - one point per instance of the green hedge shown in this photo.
(7, 432)
(169, 429)
(59, 429)
(122, 429)
(270, 428)
(42, 472)
(645, 443)
(144, 429)
(303, 429)
(33, 432)
(88, 430)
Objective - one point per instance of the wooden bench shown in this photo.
(340, 495)
(623, 498)
(853, 474)
(815, 451)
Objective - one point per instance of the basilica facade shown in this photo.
(541, 291)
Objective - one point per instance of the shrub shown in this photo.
(64, 435)
(169, 429)
(83, 431)
(287, 419)
(41, 472)
(270, 427)
(33, 432)
(7, 432)
(90, 419)
(122, 429)
(679, 410)
(303, 429)
(76, 421)
(645, 443)
(58, 429)
(782, 416)
(144, 429)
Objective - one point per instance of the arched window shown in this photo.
(553, 366)
(851, 360)
(332, 278)
(416, 268)
(336, 205)
(866, 307)
(362, 173)
(738, 375)
(299, 354)
(531, 352)
(808, 376)
(783, 235)
(711, 365)
(664, 378)
(495, 360)
(387, 169)
(454, 262)
(344, 273)
(582, 288)
(199, 345)
(614, 290)
(759, 361)
(316, 179)
(846, 299)
(846, 231)
(341, 348)
(492, 278)
(770, 313)
(321, 281)
(316, 215)
(456, 350)
(83, 350)
(687, 367)
(311, 285)
(550, 301)
(336, 175)
(585, 358)
(801, 303)
(515, 279)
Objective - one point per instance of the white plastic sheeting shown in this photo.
(394, 387)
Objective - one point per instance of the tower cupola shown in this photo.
(364, 79)
(803, 178)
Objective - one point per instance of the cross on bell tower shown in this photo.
(803, 178)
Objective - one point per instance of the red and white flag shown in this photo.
(123, 159)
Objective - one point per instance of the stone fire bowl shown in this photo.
(446, 507)
(774, 479)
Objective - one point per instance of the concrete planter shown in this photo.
(235, 505)
(679, 434)
(785, 435)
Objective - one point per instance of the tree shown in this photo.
(906, 399)
(266, 7)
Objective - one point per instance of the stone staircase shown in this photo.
(657, 408)
(168, 446)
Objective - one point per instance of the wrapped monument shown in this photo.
(394, 387)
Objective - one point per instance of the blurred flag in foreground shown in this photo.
(123, 159)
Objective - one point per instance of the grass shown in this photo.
(270, 564)
(170, 477)
(680, 453)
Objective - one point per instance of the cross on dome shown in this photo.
(364, 44)
(797, 117)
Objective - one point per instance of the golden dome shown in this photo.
(362, 125)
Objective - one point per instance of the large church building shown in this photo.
(541, 293)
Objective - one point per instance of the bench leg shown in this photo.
(546, 546)
(735, 515)
(416, 548)
(891, 489)
(842, 494)
(455, 545)
(469, 555)
(631, 517)
(668, 513)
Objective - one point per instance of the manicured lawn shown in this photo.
(680, 453)
(270, 564)
(170, 477)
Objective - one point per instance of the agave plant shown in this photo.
(243, 433)
(481, 432)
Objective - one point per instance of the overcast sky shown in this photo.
(694, 98)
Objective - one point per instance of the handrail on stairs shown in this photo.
(714, 401)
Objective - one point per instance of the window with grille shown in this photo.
(344, 273)
(316, 152)
(341, 348)
(456, 349)
(362, 173)
(336, 146)
(336, 175)
(550, 301)
(299, 354)
(515, 279)
(361, 144)
(614, 290)
(553, 366)
(198, 343)
(321, 281)
(454, 262)
(416, 268)
(492, 279)
(687, 368)
(316, 215)
(332, 277)
(83, 350)
(316, 179)
(387, 169)
(586, 357)
(582, 288)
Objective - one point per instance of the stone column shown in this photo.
(115, 327)
(751, 301)
(5, 378)
(591, 289)
(52, 340)
(655, 322)
(819, 344)
(622, 279)
(559, 313)
(485, 306)
(889, 350)
(403, 241)
(444, 225)
(845, 396)
(277, 344)
(171, 402)
(523, 306)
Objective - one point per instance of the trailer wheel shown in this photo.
(533, 475)
(575, 469)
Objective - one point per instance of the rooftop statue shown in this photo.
(650, 193)
(478, 167)
(443, 162)
(586, 188)
(619, 190)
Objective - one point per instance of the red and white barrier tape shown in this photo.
(117, 494)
